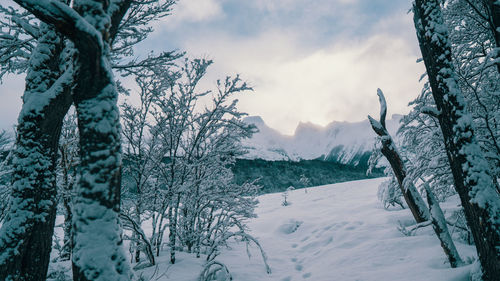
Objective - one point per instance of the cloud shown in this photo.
(315, 61)
(193, 11)
(11, 91)
(294, 81)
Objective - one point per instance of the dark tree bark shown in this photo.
(172, 226)
(26, 235)
(413, 199)
(471, 174)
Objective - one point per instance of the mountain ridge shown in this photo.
(343, 142)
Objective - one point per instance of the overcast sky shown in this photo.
(308, 60)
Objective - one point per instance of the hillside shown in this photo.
(333, 232)
(276, 176)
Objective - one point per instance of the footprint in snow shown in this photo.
(289, 227)
(306, 275)
(298, 267)
(328, 227)
(328, 241)
(354, 225)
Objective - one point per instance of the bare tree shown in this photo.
(412, 197)
(441, 229)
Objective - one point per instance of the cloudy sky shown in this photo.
(308, 60)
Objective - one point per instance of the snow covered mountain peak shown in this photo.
(343, 142)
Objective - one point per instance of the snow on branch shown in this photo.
(383, 107)
(379, 127)
(431, 111)
(67, 20)
(215, 270)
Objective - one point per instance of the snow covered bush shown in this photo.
(285, 194)
(390, 194)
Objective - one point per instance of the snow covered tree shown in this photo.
(66, 177)
(5, 172)
(46, 104)
(140, 155)
(475, 55)
(26, 234)
(198, 146)
(97, 251)
(472, 45)
(471, 173)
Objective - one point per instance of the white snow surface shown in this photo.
(342, 141)
(332, 232)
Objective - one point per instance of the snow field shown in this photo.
(342, 232)
(332, 232)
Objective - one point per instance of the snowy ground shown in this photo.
(332, 232)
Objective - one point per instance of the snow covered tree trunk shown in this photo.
(26, 235)
(68, 236)
(411, 195)
(137, 219)
(172, 223)
(98, 253)
(473, 182)
(441, 229)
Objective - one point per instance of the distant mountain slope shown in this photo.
(342, 142)
(277, 176)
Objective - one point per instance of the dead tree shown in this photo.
(411, 195)
(441, 229)
(471, 174)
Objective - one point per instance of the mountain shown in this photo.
(342, 142)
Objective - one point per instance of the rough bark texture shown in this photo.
(471, 175)
(26, 235)
(412, 197)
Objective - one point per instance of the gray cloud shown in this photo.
(315, 61)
